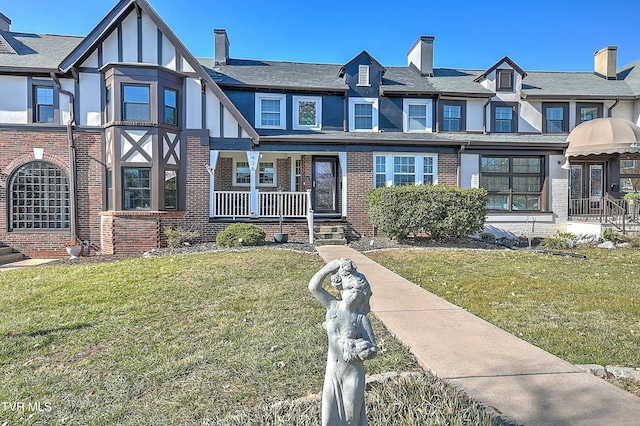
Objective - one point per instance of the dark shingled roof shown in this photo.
(273, 74)
(568, 85)
(37, 51)
(399, 81)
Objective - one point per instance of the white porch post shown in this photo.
(213, 159)
(252, 157)
(343, 165)
(310, 216)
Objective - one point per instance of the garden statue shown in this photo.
(351, 341)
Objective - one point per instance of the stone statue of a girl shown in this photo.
(351, 341)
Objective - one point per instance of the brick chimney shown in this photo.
(605, 62)
(221, 47)
(421, 55)
(5, 23)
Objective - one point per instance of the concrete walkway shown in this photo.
(524, 384)
(24, 264)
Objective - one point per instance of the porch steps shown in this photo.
(9, 255)
(329, 236)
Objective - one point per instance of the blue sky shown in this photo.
(541, 35)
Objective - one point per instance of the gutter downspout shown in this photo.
(344, 112)
(615, 104)
(484, 116)
(436, 110)
(459, 169)
(72, 159)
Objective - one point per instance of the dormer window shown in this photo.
(504, 80)
(363, 75)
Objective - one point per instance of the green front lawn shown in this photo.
(188, 339)
(584, 311)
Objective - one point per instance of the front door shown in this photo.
(586, 187)
(325, 184)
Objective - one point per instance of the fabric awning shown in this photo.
(604, 136)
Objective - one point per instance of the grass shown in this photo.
(584, 311)
(192, 339)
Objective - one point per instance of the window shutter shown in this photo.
(363, 75)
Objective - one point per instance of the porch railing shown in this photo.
(294, 204)
(237, 204)
(233, 204)
(586, 208)
(617, 212)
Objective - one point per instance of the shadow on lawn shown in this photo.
(48, 331)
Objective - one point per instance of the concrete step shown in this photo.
(5, 250)
(10, 258)
(328, 235)
(327, 229)
(331, 242)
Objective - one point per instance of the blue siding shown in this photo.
(390, 114)
(332, 112)
(245, 102)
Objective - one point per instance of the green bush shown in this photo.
(241, 234)
(612, 235)
(555, 243)
(438, 210)
(180, 236)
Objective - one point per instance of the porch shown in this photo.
(592, 215)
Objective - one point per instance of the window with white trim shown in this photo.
(417, 115)
(363, 75)
(405, 169)
(307, 112)
(242, 173)
(266, 173)
(271, 111)
(363, 114)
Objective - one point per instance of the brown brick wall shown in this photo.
(448, 169)
(16, 148)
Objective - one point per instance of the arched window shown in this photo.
(39, 196)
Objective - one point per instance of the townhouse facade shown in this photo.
(110, 138)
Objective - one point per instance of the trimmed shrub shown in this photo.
(241, 234)
(180, 236)
(438, 210)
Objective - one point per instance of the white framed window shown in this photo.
(363, 114)
(271, 111)
(363, 75)
(307, 112)
(392, 169)
(265, 173)
(242, 173)
(417, 115)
